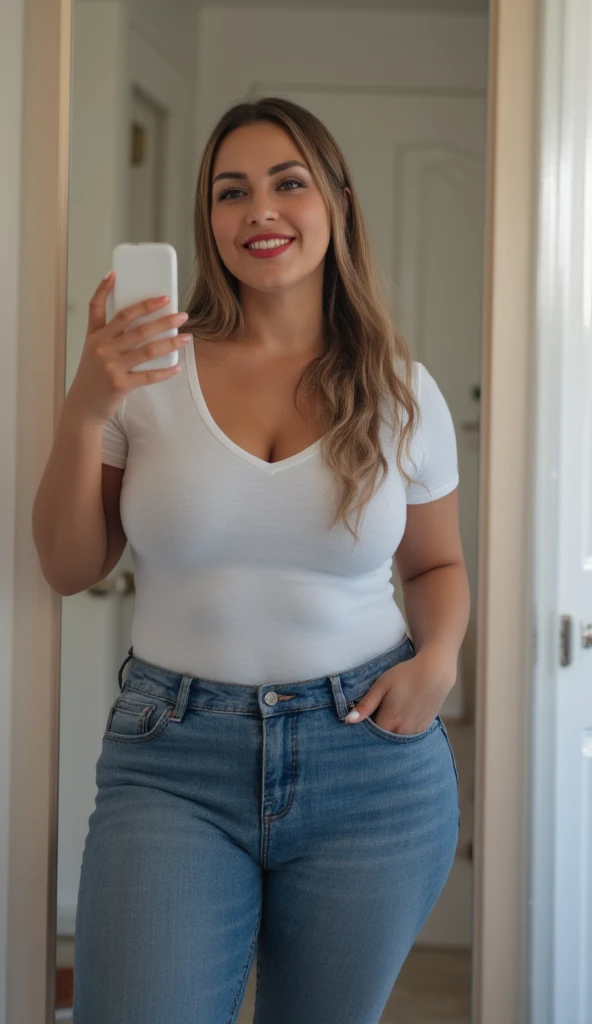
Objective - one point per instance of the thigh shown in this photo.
(340, 919)
(167, 915)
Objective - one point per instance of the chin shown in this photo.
(271, 280)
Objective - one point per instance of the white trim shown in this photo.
(550, 296)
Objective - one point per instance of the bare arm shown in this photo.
(76, 525)
(435, 586)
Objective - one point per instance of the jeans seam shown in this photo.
(237, 1001)
(451, 752)
(294, 770)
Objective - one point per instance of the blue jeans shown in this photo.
(232, 821)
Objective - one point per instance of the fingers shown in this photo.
(154, 349)
(153, 376)
(137, 335)
(368, 703)
(127, 316)
(98, 302)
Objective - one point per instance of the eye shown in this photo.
(223, 195)
(287, 181)
(292, 181)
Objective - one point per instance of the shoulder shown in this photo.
(431, 401)
(425, 387)
(434, 412)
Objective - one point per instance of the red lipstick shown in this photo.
(263, 254)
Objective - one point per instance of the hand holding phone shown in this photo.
(111, 362)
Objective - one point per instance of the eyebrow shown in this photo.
(272, 170)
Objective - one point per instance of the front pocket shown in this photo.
(137, 719)
(394, 736)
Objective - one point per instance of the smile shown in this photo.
(267, 249)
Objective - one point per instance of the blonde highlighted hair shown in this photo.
(356, 373)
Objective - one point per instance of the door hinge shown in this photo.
(565, 640)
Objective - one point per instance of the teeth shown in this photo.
(272, 244)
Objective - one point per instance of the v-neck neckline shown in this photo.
(208, 419)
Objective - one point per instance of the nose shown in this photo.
(260, 211)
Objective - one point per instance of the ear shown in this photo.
(349, 195)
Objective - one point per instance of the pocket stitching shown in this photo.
(140, 737)
(377, 730)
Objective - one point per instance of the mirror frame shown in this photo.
(504, 602)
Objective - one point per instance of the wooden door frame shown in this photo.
(505, 618)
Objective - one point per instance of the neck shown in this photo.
(286, 323)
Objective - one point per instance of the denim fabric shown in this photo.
(235, 821)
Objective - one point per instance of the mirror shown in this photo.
(404, 95)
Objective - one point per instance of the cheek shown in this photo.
(314, 224)
(223, 229)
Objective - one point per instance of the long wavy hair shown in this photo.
(365, 365)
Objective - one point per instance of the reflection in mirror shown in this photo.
(224, 836)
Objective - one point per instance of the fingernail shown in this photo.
(353, 716)
(108, 275)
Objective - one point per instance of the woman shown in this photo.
(267, 486)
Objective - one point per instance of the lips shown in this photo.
(266, 254)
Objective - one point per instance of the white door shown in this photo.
(560, 969)
(573, 792)
(573, 783)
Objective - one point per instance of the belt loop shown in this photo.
(338, 696)
(182, 698)
(130, 655)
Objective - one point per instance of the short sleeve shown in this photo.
(438, 463)
(115, 442)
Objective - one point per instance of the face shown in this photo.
(256, 199)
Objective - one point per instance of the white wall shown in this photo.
(11, 70)
(439, 50)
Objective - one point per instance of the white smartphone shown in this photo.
(146, 270)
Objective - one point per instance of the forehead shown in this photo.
(255, 148)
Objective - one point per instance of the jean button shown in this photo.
(271, 697)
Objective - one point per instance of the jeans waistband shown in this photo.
(193, 692)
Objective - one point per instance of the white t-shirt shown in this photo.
(238, 577)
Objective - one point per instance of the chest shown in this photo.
(252, 402)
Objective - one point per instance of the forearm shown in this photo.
(437, 607)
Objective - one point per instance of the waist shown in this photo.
(296, 695)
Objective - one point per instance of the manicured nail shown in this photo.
(353, 716)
